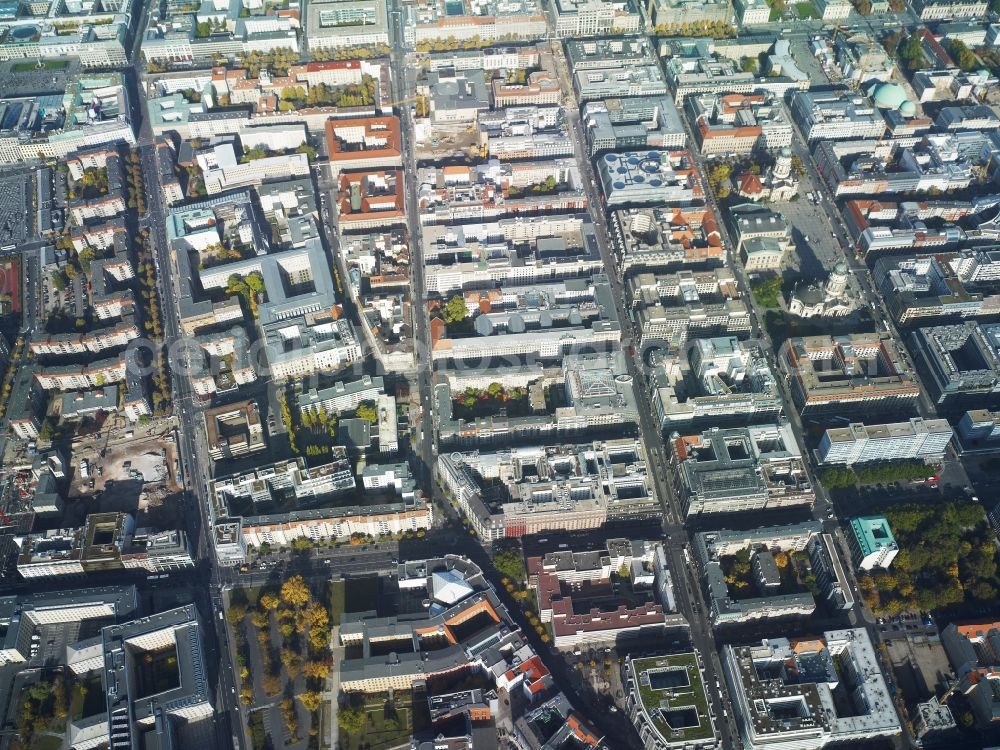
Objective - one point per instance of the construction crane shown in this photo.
(864, 63)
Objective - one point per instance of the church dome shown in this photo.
(889, 96)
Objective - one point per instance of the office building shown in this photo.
(524, 132)
(233, 430)
(550, 251)
(370, 199)
(94, 110)
(671, 308)
(937, 162)
(550, 488)
(872, 543)
(833, 583)
(539, 89)
(599, 395)
(972, 649)
(717, 379)
(655, 239)
(342, 396)
(496, 190)
(455, 96)
(953, 284)
(934, 722)
(978, 431)
(699, 68)
(938, 10)
(848, 373)
(811, 693)
(960, 363)
(278, 503)
(667, 701)
(332, 24)
(753, 12)
(576, 18)
(766, 598)
(144, 711)
(363, 143)
(738, 123)
(488, 21)
(619, 80)
(558, 577)
(26, 617)
(634, 123)
(729, 470)
(836, 116)
(857, 443)
(635, 178)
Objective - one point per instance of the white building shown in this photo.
(836, 115)
(783, 692)
(595, 17)
(857, 444)
(753, 12)
(223, 172)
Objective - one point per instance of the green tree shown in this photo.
(455, 310)
(911, 53)
(255, 282)
(308, 150)
(367, 412)
(255, 153)
(352, 720)
(47, 431)
(509, 563)
(203, 30)
(767, 292)
(963, 56)
(236, 614)
(890, 43)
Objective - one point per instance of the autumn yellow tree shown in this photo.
(291, 661)
(316, 670)
(311, 700)
(271, 684)
(295, 592)
(236, 614)
(269, 601)
(260, 619)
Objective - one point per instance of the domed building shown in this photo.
(892, 97)
(829, 300)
